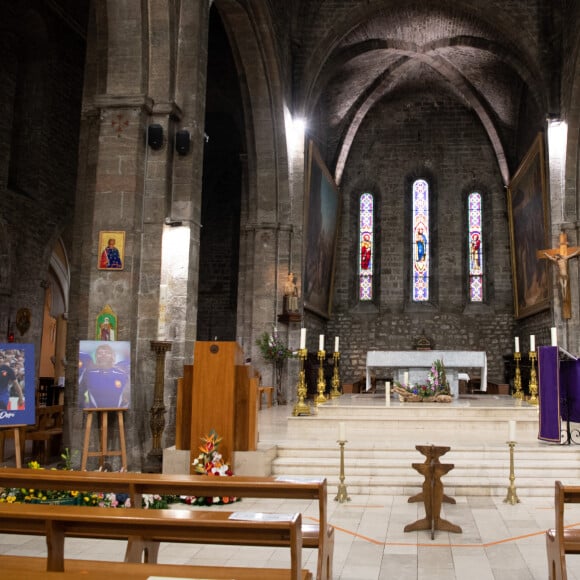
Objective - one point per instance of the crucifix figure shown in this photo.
(560, 257)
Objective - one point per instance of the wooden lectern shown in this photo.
(219, 393)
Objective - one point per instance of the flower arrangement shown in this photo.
(273, 348)
(210, 462)
(435, 390)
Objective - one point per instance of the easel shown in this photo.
(104, 433)
(432, 495)
(17, 448)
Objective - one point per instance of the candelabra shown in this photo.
(512, 496)
(533, 380)
(335, 392)
(342, 494)
(321, 383)
(301, 408)
(519, 394)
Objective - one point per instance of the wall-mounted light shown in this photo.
(155, 136)
(182, 141)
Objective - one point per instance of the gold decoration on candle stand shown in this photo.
(533, 400)
(519, 394)
(335, 392)
(512, 496)
(321, 384)
(342, 495)
(301, 408)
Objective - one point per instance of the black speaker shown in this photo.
(155, 136)
(182, 142)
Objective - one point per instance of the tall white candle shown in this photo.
(302, 338)
(387, 393)
(321, 342)
(532, 342)
(406, 378)
(336, 344)
(512, 431)
(517, 344)
(554, 332)
(341, 431)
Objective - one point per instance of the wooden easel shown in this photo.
(432, 495)
(104, 434)
(17, 447)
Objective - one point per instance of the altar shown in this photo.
(418, 363)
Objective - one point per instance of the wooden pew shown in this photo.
(559, 540)
(319, 536)
(58, 522)
(34, 568)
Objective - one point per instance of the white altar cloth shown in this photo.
(454, 360)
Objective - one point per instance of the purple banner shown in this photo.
(549, 393)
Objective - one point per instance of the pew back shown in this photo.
(560, 540)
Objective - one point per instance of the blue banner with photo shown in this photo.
(17, 384)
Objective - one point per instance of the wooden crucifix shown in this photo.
(560, 257)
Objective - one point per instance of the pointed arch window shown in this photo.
(420, 239)
(475, 247)
(366, 246)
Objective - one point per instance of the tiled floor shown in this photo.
(498, 541)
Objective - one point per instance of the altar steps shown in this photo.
(479, 470)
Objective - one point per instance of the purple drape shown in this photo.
(549, 393)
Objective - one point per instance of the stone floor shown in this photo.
(499, 541)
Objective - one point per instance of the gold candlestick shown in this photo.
(533, 380)
(335, 392)
(301, 408)
(512, 496)
(321, 384)
(342, 494)
(519, 394)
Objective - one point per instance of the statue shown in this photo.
(290, 294)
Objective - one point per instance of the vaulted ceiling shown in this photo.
(496, 59)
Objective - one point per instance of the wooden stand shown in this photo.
(104, 435)
(17, 447)
(432, 494)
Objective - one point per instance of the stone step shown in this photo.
(480, 470)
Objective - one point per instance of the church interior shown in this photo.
(249, 201)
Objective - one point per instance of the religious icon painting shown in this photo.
(111, 251)
(17, 384)
(104, 374)
(106, 325)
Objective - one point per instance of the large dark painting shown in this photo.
(528, 217)
(321, 214)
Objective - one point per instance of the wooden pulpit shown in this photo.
(219, 393)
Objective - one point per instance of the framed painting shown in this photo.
(321, 215)
(111, 250)
(17, 384)
(529, 227)
(106, 324)
(104, 374)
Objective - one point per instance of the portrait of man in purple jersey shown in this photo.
(104, 374)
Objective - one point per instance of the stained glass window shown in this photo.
(475, 249)
(420, 239)
(366, 249)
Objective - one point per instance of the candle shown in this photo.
(405, 378)
(341, 431)
(336, 344)
(321, 342)
(554, 332)
(512, 431)
(302, 338)
(387, 393)
(532, 342)
(517, 344)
